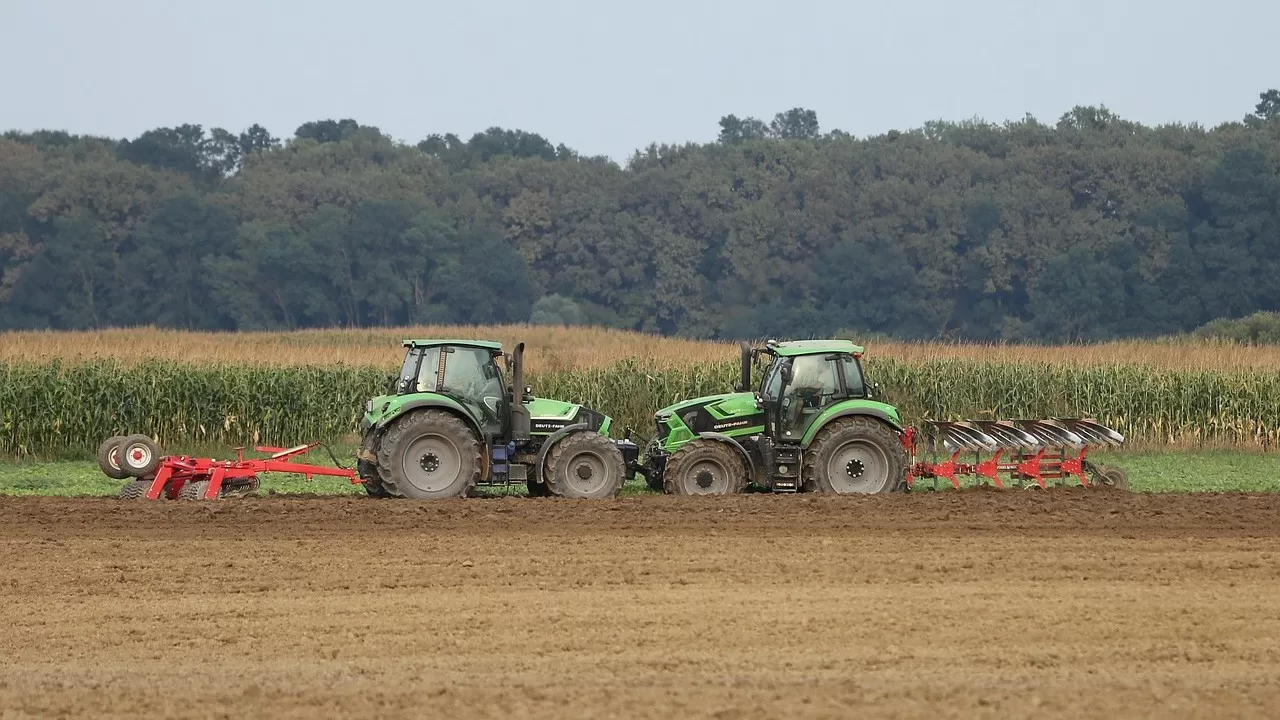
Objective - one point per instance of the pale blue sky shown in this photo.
(607, 78)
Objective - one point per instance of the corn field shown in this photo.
(61, 408)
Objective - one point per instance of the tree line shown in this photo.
(1093, 227)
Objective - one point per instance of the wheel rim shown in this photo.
(432, 463)
(587, 472)
(138, 456)
(707, 477)
(858, 466)
(113, 458)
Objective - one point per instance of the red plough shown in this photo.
(1036, 451)
(191, 478)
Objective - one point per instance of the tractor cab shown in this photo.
(464, 370)
(803, 379)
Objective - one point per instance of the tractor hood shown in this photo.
(546, 416)
(725, 405)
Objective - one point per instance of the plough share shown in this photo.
(1024, 450)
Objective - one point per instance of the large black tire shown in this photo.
(705, 467)
(429, 455)
(139, 456)
(585, 465)
(855, 455)
(136, 489)
(368, 471)
(109, 458)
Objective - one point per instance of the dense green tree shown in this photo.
(1089, 227)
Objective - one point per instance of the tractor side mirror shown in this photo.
(785, 371)
(506, 361)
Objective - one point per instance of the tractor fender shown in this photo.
(746, 456)
(441, 403)
(851, 412)
(486, 461)
(552, 439)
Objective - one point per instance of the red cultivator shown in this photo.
(1025, 451)
(189, 478)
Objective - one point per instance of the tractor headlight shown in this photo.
(368, 406)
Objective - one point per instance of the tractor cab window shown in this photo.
(418, 374)
(472, 373)
(853, 381)
(814, 385)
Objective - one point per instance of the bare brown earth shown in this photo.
(1065, 603)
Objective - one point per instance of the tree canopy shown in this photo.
(1093, 227)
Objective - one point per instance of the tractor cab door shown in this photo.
(471, 377)
(813, 386)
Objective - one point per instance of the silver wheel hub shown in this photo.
(432, 463)
(707, 477)
(858, 466)
(587, 472)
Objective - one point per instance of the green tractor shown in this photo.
(813, 426)
(449, 424)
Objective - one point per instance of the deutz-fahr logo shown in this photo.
(731, 424)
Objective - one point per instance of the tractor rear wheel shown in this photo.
(109, 458)
(705, 467)
(429, 455)
(585, 465)
(855, 455)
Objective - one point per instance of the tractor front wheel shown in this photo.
(705, 467)
(429, 455)
(856, 455)
(585, 465)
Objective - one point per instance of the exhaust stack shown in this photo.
(521, 424)
(744, 382)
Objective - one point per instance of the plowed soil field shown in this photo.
(1065, 603)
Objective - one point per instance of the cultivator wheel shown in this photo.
(855, 455)
(135, 490)
(109, 458)
(705, 467)
(138, 455)
(1027, 452)
(194, 490)
(585, 465)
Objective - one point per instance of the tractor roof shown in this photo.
(486, 344)
(815, 347)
